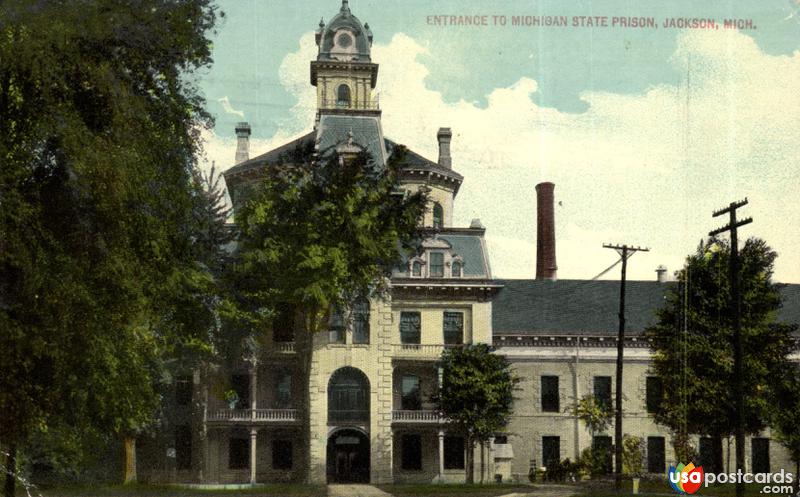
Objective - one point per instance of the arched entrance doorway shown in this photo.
(348, 456)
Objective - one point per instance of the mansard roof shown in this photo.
(540, 307)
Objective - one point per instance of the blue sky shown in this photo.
(639, 151)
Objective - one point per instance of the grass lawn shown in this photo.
(456, 490)
(142, 490)
(662, 488)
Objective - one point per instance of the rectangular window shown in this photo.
(410, 400)
(602, 391)
(183, 447)
(183, 390)
(453, 328)
(240, 383)
(410, 327)
(361, 321)
(282, 454)
(283, 324)
(453, 452)
(760, 455)
(336, 326)
(500, 439)
(283, 391)
(710, 456)
(655, 392)
(551, 451)
(411, 445)
(550, 397)
(238, 453)
(601, 445)
(437, 265)
(656, 457)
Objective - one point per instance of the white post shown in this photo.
(253, 390)
(441, 456)
(253, 439)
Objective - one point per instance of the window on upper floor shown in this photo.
(455, 269)
(550, 397)
(240, 383)
(361, 320)
(436, 265)
(183, 390)
(602, 391)
(453, 326)
(654, 393)
(410, 327)
(336, 325)
(416, 269)
(343, 96)
(283, 390)
(438, 215)
(283, 324)
(410, 398)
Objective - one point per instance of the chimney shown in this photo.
(545, 233)
(242, 142)
(661, 274)
(444, 135)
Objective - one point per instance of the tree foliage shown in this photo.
(100, 122)
(477, 394)
(692, 341)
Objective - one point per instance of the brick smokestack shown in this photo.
(242, 142)
(545, 233)
(444, 136)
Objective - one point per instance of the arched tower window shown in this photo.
(343, 96)
(455, 269)
(438, 215)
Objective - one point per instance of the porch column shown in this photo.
(441, 455)
(490, 462)
(253, 390)
(253, 440)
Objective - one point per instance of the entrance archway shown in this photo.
(348, 456)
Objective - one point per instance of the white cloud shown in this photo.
(646, 169)
(227, 107)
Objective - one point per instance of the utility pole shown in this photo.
(738, 387)
(624, 251)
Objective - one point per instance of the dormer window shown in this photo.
(455, 269)
(438, 215)
(436, 265)
(416, 269)
(343, 96)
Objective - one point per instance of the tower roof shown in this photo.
(344, 38)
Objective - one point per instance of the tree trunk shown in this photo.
(130, 460)
(11, 471)
(304, 348)
(470, 477)
(483, 460)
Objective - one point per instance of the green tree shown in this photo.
(476, 395)
(692, 341)
(785, 413)
(99, 125)
(315, 234)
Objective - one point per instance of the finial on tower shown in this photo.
(345, 7)
(321, 23)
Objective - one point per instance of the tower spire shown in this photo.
(345, 7)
